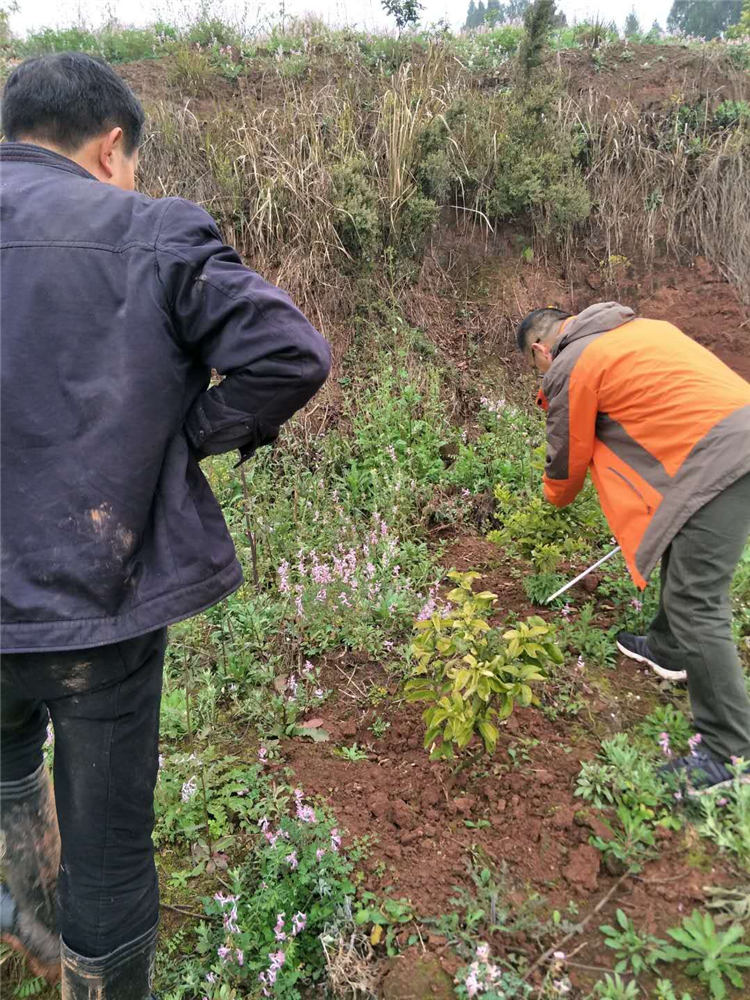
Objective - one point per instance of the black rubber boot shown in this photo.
(123, 974)
(28, 896)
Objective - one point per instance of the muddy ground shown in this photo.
(424, 829)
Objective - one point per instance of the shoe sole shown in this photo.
(667, 675)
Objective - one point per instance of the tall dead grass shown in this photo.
(268, 172)
(664, 192)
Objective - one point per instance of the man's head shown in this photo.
(537, 333)
(78, 106)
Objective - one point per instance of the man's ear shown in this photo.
(109, 143)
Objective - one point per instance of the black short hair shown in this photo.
(539, 320)
(67, 98)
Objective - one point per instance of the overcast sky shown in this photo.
(33, 14)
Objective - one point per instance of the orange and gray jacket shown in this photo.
(663, 425)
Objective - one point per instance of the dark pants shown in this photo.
(104, 704)
(692, 630)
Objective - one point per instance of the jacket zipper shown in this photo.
(633, 487)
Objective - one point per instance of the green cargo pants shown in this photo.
(692, 630)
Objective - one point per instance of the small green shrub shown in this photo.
(293, 885)
(473, 675)
(730, 114)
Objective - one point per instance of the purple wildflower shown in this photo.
(299, 922)
(694, 742)
(664, 744)
(292, 861)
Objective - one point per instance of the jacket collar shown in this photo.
(599, 318)
(26, 152)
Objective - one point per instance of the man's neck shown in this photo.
(79, 157)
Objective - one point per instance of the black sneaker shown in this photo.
(699, 773)
(636, 648)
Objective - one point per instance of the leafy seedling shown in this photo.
(712, 956)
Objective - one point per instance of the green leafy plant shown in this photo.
(670, 720)
(616, 988)
(711, 956)
(265, 925)
(666, 991)
(379, 727)
(385, 916)
(725, 816)
(635, 952)
(352, 753)
(207, 796)
(473, 675)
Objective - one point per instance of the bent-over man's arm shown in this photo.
(571, 429)
(232, 320)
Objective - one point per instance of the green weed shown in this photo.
(636, 953)
(711, 956)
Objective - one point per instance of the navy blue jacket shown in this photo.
(114, 308)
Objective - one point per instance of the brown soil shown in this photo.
(424, 827)
(655, 78)
(694, 296)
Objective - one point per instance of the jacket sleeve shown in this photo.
(571, 430)
(228, 318)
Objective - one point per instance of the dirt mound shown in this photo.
(652, 77)
(702, 304)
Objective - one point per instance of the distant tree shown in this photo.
(494, 13)
(404, 12)
(742, 28)
(471, 15)
(632, 24)
(537, 22)
(560, 20)
(704, 18)
(481, 11)
(654, 32)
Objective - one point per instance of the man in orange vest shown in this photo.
(664, 428)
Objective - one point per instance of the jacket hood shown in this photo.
(598, 318)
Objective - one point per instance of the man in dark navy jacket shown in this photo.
(115, 308)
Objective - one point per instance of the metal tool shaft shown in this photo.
(580, 576)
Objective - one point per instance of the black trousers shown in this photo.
(104, 706)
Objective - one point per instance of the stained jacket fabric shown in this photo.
(114, 309)
(662, 424)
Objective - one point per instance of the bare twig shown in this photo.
(579, 927)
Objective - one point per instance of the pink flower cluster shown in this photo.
(228, 905)
(342, 577)
(268, 978)
(304, 813)
(483, 976)
(271, 835)
(277, 958)
(432, 606)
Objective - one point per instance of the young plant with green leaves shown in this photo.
(471, 674)
(712, 956)
(616, 988)
(636, 953)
